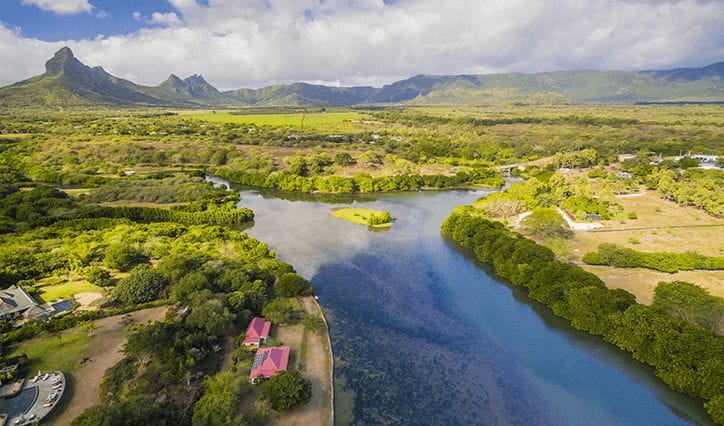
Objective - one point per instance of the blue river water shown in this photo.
(424, 334)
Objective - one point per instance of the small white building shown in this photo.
(706, 158)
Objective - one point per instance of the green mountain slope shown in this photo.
(68, 82)
(699, 84)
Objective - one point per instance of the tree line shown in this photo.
(623, 257)
(688, 358)
(361, 182)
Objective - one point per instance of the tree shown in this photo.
(286, 390)
(546, 223)
(123, 257)
(281, 311)
(142, 285)
(188, 286)
(177, 266)
(688, 302)
(220, 403)
(211, 316)
(292, 285)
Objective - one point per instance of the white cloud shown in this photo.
(169, 18)
(237, 44)
(61, 7)
(158, 18)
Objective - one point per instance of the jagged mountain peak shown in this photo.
(174, 81)
(195, 79)
(60, 61)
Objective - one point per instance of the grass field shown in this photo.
(662, 226)
(294, 120)
(67, 290)
(57, 352)
(360, 215)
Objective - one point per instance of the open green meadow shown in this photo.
(294, 120)
(60, 352)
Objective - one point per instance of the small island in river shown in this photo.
(374, 218)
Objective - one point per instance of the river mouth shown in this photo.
(423, 334)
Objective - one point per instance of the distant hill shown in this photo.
(68, 82)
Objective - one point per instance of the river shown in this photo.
(424, 334)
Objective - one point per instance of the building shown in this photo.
(269, 361)
(624, 175)
(706, 158)
(257, 332)
(16, 302)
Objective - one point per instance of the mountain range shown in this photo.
(67, 82)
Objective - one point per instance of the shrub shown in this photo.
(142, 285)
(220, 403)
(287, 390)
(632, 215)
(291, 285)
(313, 323)
(546, 223)
(281, 311)
(123, 257)
(97, 276)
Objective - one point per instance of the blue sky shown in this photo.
(109, 17)
(252, 43)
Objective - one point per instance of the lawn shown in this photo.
(361, 216)
(60, 352)
(295, 120)
(67, 290)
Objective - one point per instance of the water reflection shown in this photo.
(423, 335)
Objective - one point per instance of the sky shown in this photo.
(253, 43)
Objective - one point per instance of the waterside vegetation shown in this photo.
(373, 218)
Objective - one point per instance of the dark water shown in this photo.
(422, 334)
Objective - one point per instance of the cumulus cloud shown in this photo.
(158, 18)
(237, 44)
(61, 7)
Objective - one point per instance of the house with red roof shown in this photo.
(257, 332)
(269, 361)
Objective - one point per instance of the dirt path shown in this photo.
(103, 351)
(311, 353)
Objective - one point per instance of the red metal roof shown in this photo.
(269, 361)
(258, 328)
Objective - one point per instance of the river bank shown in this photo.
(421, 333)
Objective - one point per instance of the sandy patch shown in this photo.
(103, 351)
(85, 300)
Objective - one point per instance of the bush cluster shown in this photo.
(622, 257)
